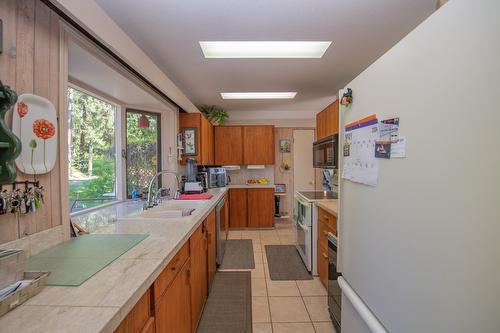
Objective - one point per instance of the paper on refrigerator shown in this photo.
(360, 164)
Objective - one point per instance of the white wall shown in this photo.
(95, 20)
(422, 248)
(276, 118)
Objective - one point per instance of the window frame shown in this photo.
(158, 143)
(118, 146)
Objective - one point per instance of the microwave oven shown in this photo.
(325, 152)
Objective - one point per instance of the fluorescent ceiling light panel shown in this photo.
(258, 95)
(264, 49)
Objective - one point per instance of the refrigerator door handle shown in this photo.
(364, 312)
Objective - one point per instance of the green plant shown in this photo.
(214, 113)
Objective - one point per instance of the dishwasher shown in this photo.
(219, 230)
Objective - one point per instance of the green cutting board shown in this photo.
(75, 261)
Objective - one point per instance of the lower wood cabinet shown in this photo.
(251, 208)
(238, 208)
(261, 207)
(175, 301)
(326, 223)
(199, 274)
(140, 318)
(212, 248)
(173, 308)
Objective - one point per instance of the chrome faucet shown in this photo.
(152, 201)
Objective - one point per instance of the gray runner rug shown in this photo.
(229, 305)
(238, 254)
(284, 263)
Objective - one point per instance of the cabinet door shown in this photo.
(238, 208)
(173, 310)
(139, 317)
(335, 117)
(258, 145)
(199, 276)
(212, 247)
(323, 265)
(261, 207)
(206, 142)
(228, 145)
(321, 125)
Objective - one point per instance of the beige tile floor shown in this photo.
(283, 306)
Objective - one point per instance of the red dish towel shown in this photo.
(200, 196)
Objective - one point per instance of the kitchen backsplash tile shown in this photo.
(240, 177)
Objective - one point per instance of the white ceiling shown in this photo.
(92, 71)
(361, 31)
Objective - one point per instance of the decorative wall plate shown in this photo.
(34, 121)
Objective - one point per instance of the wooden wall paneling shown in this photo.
(63, 127)
(42, 219)
(55, 90)
(25, 66)
(8, 14)
(282, 176)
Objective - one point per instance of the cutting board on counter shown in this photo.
(75, 261)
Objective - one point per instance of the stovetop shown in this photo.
(319, 195)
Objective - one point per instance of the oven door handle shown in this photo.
(302, 226)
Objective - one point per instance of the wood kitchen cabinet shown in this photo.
(260, 207)
(244, 145)
(238, 208)
(212, 248)
(140, 319)
(327, 121)
(205, 153)
(173, 308)
(228, 145)
(251, 208)
(199, 274)
(174, 303)
(326, 223)
(258, 145)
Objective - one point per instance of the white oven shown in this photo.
(303, 224)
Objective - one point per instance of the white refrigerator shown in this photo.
(420, 252)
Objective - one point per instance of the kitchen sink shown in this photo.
(169, 209)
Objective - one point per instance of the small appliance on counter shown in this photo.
(217, 177)
(192, 183)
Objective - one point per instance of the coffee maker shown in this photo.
(192, 184)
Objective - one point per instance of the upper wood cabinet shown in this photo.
(204, 137)
(258, 145)
(244, 145)
(228, 145)
(327, 121)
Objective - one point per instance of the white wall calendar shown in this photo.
(360, 164)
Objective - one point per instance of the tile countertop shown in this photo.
(251, 186)
(331, 206)
(100, 303)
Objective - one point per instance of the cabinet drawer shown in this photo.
(173, 267)
(323, 229)
(329, 219)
